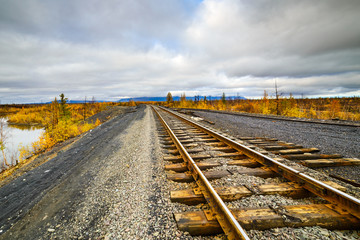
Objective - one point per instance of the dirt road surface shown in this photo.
(101, 187)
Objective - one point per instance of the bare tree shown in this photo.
(54, 110)
(84, 109)
(277, 99)
(183, 97)
(3, 140)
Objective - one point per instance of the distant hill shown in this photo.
(175, 98)
(142, 99)
(88, 101)
(74, 101)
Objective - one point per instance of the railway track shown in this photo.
(210, 162)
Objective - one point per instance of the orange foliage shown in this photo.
(48, 114)
(57, 128)
(318, 108)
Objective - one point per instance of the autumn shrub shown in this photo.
(318, 108)
(28, 116)
(60, 120)
(312, 113)
(62, 131)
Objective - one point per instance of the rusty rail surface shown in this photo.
(227, 221)
(341, 200)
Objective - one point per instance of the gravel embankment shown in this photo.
(330, 139)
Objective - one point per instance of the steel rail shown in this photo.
(339, 199)
(226, 219)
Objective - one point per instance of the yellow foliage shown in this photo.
(56, 129)
(312, 113)
(45, 114)
(25, 152)
(319, 108)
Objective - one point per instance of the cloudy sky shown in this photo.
(132, 48)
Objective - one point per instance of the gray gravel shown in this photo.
(276, 200)
(329, 139)
(66, 196)
(113, 186)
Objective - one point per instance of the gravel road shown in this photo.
(47, 197)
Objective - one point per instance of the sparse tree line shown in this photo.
(346, 108)
(60, 120)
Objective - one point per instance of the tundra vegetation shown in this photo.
(345, 108)
(60, 120)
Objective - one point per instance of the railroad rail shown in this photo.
(225, 218)
(342, 212)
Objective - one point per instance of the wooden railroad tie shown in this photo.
(227, 194)
(232, 155)
(352, 182)
(166, 139)
(224, 149)
(210, 175)
(201, 134)
(296, 151)
(323, 215)
(187, 177)
(244, 163)
(170, 142)
(208, 139)
(172, 146)
(310, 156)
(317, 163)
(278, 147)
(262, 172)
(175, 151)
(179, 159)
(181, 167)
(216, 144)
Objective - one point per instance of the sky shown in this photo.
(135, 48)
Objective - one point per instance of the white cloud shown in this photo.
(139, 48)
(291, 40)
